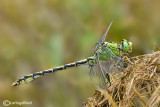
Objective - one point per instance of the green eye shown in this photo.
(127, 46)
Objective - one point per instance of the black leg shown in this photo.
(108, 78)
(130, 58)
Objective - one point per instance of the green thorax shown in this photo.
(110, 49)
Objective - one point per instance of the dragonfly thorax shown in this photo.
(108, 50)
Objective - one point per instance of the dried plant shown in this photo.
(137, 86)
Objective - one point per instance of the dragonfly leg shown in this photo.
(108, 78)
(131, 58)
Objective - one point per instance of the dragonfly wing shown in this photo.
(114, 62)
(101, 42)
(97, 76)
(100, 70)
(114, 65)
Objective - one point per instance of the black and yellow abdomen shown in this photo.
(31, 77)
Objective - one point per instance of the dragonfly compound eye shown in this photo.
(127, 46)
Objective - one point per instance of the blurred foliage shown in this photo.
(42, 34)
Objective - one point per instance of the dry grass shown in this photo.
(138, 86)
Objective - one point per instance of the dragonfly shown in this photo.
(107, 58)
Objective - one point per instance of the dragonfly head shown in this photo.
(126, 46)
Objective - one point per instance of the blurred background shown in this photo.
(41, 34)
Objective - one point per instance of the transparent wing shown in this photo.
(101, 42)
(98, 76)
(99, 71)
(113, 65)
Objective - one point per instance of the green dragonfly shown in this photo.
(107, 58)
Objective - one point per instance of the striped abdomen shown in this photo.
(31, 77)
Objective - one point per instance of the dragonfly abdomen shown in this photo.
(31, 77)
